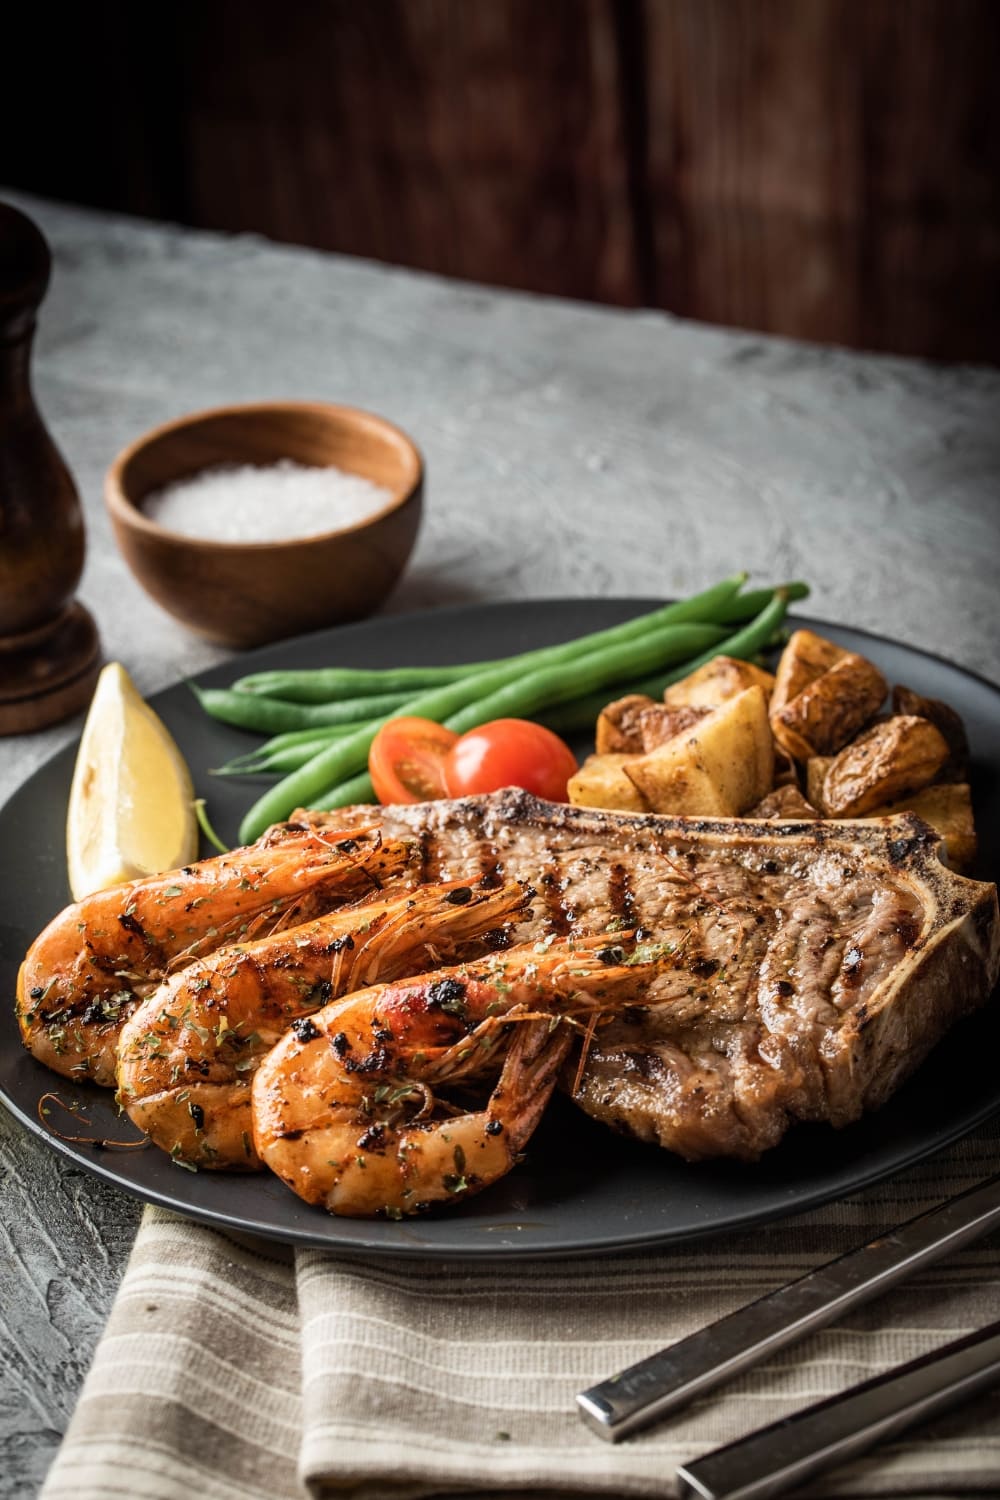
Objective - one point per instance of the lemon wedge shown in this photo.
(131, 804)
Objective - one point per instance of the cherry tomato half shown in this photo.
(509, 752)
(406, 760)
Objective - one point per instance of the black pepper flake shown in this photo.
(704, 968)
(130, 924)
(340, 1044)
(494, 1127)
(373, 1137)
(305, 1030)
(449, 994)
(611, 955)
(461, 896)
(37, 992)
(490, 880)
(497, 938)
(347, 846)
(197, 1114)
(784, 989)
(342, 944)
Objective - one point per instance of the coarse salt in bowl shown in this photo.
(276, 502)
(252, 523)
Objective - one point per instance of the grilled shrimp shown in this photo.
(344, 1107)
(186, 1057)
(89, 969)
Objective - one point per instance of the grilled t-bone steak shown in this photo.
(816, 963)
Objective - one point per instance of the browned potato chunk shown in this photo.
(826, 714)
(601, 782)
(618, 725)
(784, 802)
(677, 784)
(806, 657)
(891, 760)
(719, 679)
(943, 717)
(816, 769)
(948, 809)
(721, 767)
(660, 723)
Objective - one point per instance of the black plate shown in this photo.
(581, 1188)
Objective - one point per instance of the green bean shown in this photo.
(580, 714)
(347, 793)
(527, 693)
(745, 606)
(598, 669)
(267, 761)
(324, 684)
(271, 715)
(745, 642)
(292, 737)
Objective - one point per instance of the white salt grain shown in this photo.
(276, 502)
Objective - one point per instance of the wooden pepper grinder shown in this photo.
(49, 647)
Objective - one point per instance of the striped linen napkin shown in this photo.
(233, 1369)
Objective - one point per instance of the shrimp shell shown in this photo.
(188, 1054)
(87, 971)
(346, 1109)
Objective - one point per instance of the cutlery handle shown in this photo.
(774, 1458)
(672, 1377)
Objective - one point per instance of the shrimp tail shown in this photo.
(529, 1075)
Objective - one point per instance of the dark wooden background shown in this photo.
(828, 169)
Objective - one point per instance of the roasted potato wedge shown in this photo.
(601, 782)
(943, 717)
(677, 784)
(891, 760)
(806, 657)
(784, 802)
(720, 768)
(718, 680)
(619, 729)
(831, 709)
(947, 807)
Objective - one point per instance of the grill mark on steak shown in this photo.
(551, 888)
(620, 896)
(490, 864)
(817, 964)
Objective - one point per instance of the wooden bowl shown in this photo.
(245, 593)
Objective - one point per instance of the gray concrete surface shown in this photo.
(570, 450)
